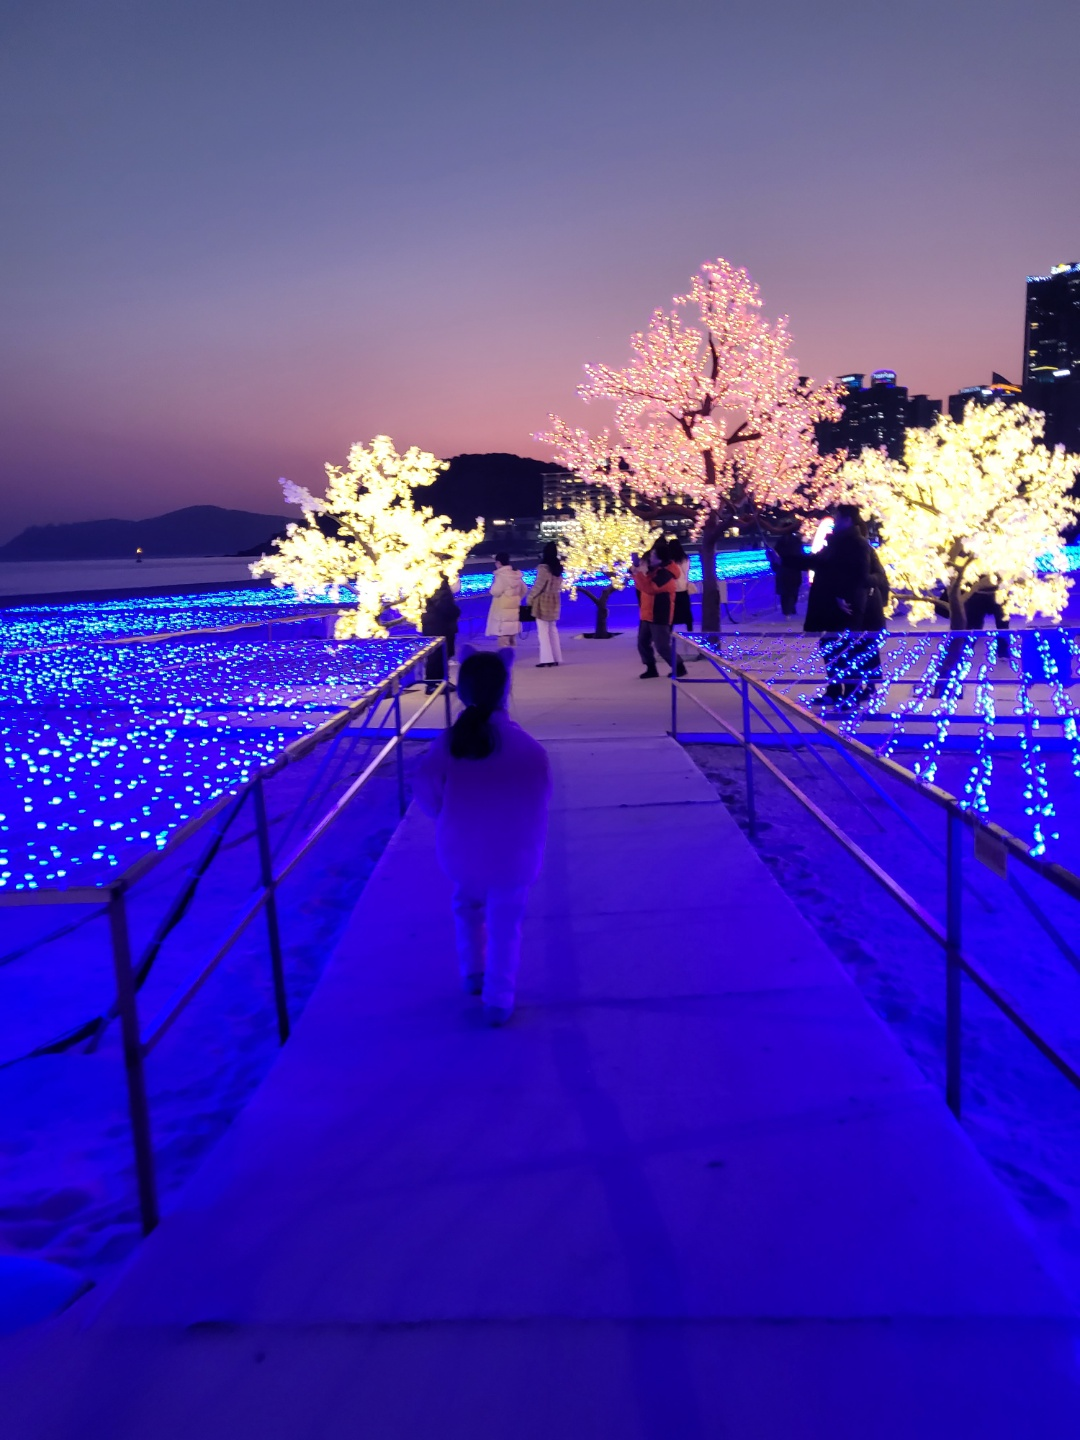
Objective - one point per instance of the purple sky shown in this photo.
(239, 234)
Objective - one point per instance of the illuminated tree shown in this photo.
(383, 548)
(973, 501)
(712, 419)
(597, 544)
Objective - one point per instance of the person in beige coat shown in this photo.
(544, 598)
(507, 596)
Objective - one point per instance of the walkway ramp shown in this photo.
(695, 1189)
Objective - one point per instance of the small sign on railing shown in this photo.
(990, 851)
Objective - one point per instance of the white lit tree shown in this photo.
(712, 419)
(385, 549)
(973, 501)
(596, 545)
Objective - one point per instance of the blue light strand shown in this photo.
(921, 691)
(107, 764)
(30, 626)
(976, 789)
(925, 767)
(1062, 704)
(1038, 807)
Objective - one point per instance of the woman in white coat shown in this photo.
(507, 596)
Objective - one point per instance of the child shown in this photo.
(487, 784)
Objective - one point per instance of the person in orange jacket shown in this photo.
(655, 585)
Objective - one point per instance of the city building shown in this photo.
(998, 389)
(876, 416)
(562, 491)
(1051, 380)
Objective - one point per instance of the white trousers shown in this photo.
(487, 925)
(550, 649)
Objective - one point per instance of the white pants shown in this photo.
(550, 649)
(487, 925)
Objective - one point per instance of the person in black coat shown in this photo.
(866, 654)
(441, 616)
(839, 594)
(790, 554)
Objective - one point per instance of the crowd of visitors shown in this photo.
(848, 595)
(661, 581)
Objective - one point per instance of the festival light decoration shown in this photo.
(714, 422)
(973, 501)
(34, 626)
(106, 750)
(940, 691)
(596, 547)
(384, 549)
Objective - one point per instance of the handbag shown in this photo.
(525, 614)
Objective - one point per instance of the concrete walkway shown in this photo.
(694, 1189)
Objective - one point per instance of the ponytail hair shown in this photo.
(482, 683)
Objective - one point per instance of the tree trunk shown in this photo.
(957, 614)
(710, 589)
(601, 602)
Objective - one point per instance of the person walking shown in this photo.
(487, 784)
(507, 595)
(546, 604)
(837, 600)
(655, 584)
(679, 561)
(440, 617)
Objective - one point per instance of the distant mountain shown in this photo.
(195, 530)
(496, 486)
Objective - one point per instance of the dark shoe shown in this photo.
(650, 674)
(496, 1015)
(473, 984)
(680, 671)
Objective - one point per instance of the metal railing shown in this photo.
(995, 845)
(129, 973)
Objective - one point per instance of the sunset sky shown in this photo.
(239, 234)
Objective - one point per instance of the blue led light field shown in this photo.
(26, 626)
(998, 729)
(106, 750)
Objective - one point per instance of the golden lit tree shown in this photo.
(712, 419)
(378, 544)
(973, 502)
(596, 546)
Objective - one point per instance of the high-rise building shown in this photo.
(876, 416)
(1052, 352)
(998, 389)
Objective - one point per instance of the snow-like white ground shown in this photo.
(1023, 1116)
(67, 1186)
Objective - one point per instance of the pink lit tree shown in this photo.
(712, 420)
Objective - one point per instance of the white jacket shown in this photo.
(490, 814)
(507, 594)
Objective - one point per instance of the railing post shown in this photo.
(954, 892)
(446, 681)
(674, 686)
(751, 808)
(273, 932)
(399, 748)
(138, 1108)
